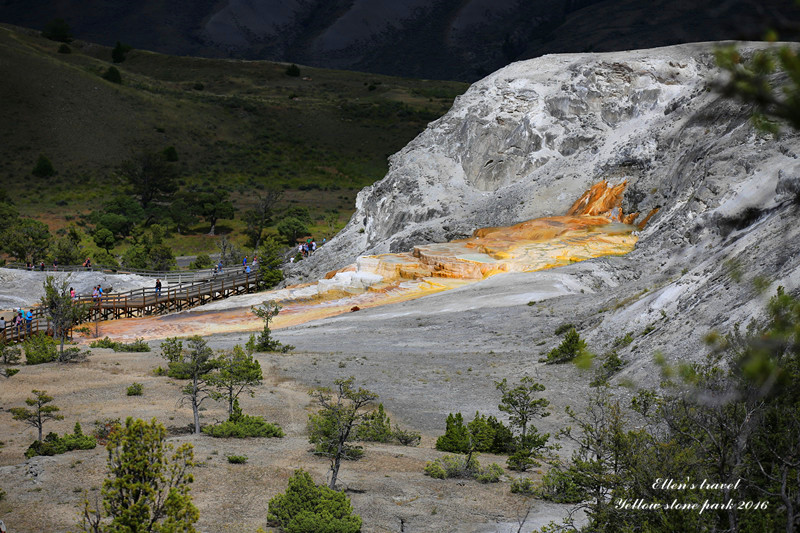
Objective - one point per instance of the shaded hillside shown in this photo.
(441, 39)
(233, 123)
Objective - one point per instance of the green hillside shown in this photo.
(241, 125)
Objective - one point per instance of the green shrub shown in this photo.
(43, 168)
(559, 486)
(171, 154)
(10, 354)
(40, 348)
(322, 434)
(528, 449)
(112, 74)
(202, 261)
(621, 342)
(105, 342)
(237, 459)
(172, 350)
(489, 474)
(293, 70)
(484, 434)
(456, 437)
(64, 49)
(135, 389)
(73, 355)
(376, 427)
(310, 508)
(452, 466)
(136, 346)
(523, 485)
(563, 328)
(240, 426)
(407, 437)
(55, 445)
(571, 347)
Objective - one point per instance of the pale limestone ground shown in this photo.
(386, 486)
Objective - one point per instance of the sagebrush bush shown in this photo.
(406, 437)
(489, 474)
(310, 508)
(450, 466)
(559, 486)
(523, 485)
(240, 426)
(105, 342)
(10, 354)
(237, 459)
(135, 389)
(40, 348)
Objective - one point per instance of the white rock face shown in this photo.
(527, 140)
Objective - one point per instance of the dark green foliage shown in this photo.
(523, 485)
(376, 427)
(43, 168)
(269, 262)
(458, 466)
(571, 347)
(241, 426)
(139, 345)
(10, 354)
(57, 30)
(265, 342)
(563, 328)
(40, 348)
(64, 49)
(482, 434)
(40, 413)
(237, 372)
(104, 239)
(170, 154)
(310, 508)
(27, 240)
(293, 70)
(612, 363)
(55, 445)
(213, 205)
(61, 310)
(339, 417)
(120, 51)
(559, 486)
(198, 364)
(407, 437)
(237, 459)
(456, 436)
(151, 178)
(148, 483)
(291, 229)
(754, 80)
(523, 407)
(112, 74)
(135, 389)
(201, 261)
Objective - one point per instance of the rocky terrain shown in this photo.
(527, 140)
(522, 143)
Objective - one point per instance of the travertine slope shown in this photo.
(527, 140)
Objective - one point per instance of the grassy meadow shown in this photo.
(241, 125)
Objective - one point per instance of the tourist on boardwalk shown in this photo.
(2, 329)
(247, 270)
(72, 293)
(158, 288)
(29, 321)
(244, 262)
(17, 322)
(95, 295)
(219, 266)
(99, 293)
(87, 264)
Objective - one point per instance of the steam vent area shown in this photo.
(594, 226)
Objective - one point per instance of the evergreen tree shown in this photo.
(147, 489)
(238, 372)
(41, 411)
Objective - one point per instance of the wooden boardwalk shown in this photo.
(141, 302)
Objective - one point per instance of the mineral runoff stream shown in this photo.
(594, 226)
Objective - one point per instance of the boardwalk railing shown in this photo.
(141, 302)
(171, 276)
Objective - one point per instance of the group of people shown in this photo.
(97, 294)
(21, 323)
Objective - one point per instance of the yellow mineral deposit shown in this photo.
(594, 226)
